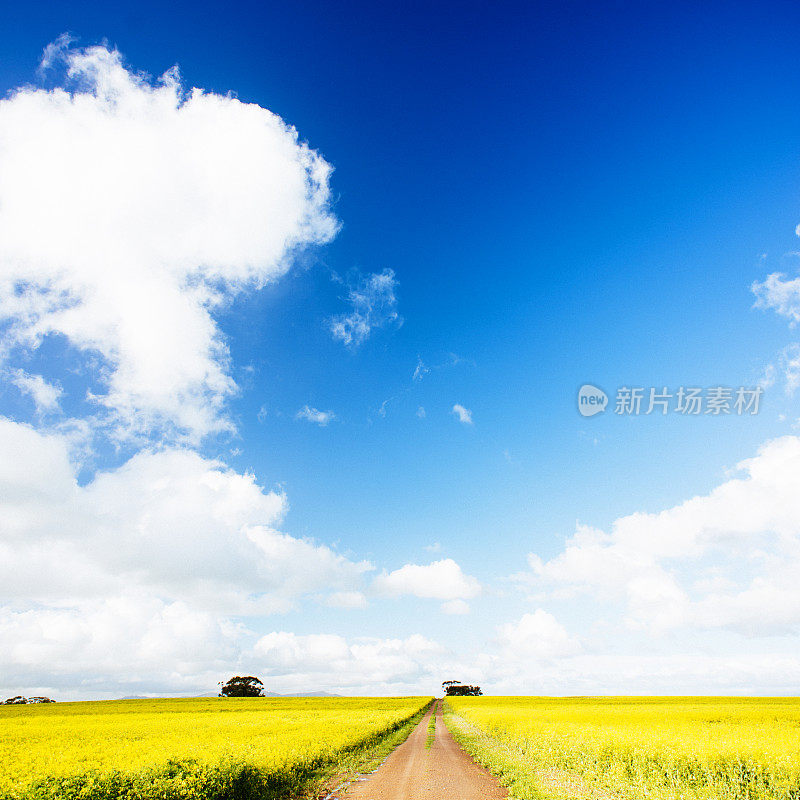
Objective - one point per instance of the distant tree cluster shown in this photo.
(458, 689)
(20, 700)
(239, 686)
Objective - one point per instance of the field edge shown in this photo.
(507, 766)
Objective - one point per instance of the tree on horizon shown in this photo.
(242, 686)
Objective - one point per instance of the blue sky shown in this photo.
(553, 196)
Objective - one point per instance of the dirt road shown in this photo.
(414, 772)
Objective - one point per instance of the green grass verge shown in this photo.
(502, 762)
(431, 729)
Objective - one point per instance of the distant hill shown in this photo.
(216, 694)
(275, 694)
(291, 694)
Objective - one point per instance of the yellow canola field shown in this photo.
(678, 748)
(193, 749)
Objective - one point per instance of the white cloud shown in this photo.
(290, 661)
(314, 652)
(169, 522)
(537, 636)
(168, 537)
(779, 293)
(767, 380)
(464, 414)
(790, 364)
(685, 672)
(321, 418)
(729, 559)
(420, 371)
(347, 600)
(421, 412)
(130, 211)
(456, 607)
(440, 580)
(44, 395)
(783, 296)
(537, 655)
(119, 645)
(373, 305)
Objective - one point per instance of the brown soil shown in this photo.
(414, 772)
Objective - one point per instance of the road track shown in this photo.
(414, 772)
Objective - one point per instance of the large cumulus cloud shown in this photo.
(130, 210)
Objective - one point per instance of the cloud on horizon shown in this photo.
(148, 568)
(726, 560)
